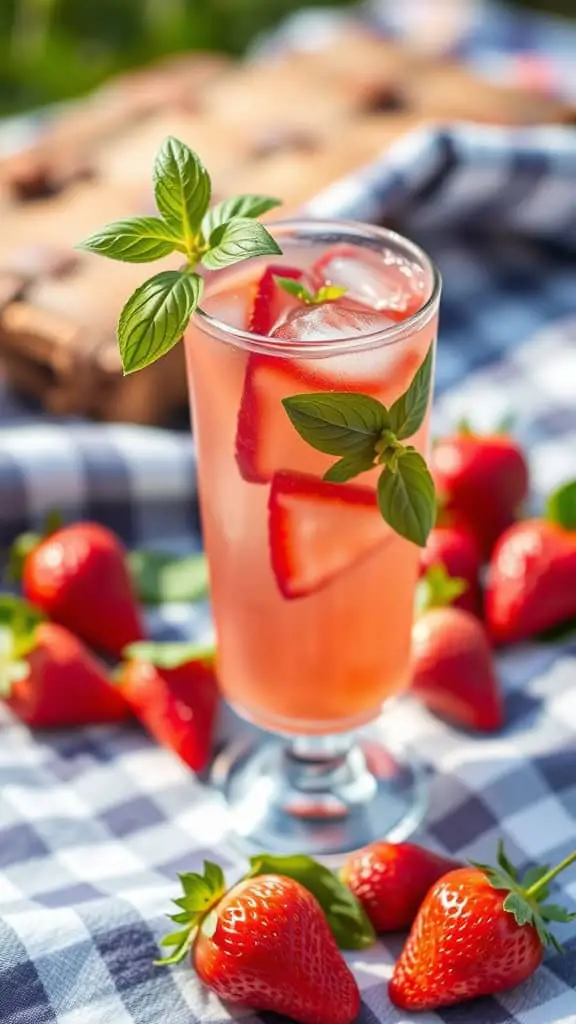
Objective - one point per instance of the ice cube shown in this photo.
(330, 321)
(384, 370)
(382, 281)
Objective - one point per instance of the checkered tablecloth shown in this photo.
(95, 824)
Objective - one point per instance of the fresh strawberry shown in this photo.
(481, 482)
(532, 574)
(172, 689)
(50, 680)
(318, 530)
(453, 668)
(479, 931)
(454, 548)
(269, 300)
(79, 577)
(391, 880)
(265, 944)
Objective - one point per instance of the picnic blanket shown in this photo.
(95, 824)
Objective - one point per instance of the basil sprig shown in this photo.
(156, 315)
(365, 434)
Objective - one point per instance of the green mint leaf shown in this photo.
(182, 188)
(349, 467)
(344, 913)
(170, 654)
(338, 423)
(406, 497)
(520, 908)
(561, 506)
(408, 412)
(137, 240)
(156, 316)
(238, 239)
(328, 293)
(161, 578)
(293, 287)
(237, 206)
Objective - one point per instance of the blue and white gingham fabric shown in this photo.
(95, 824)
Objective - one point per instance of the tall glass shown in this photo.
(315, 663)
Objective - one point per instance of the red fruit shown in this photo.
(453, 669)
(391, 880)
(264, 944)
(317, 530)
(531, 581)
(59, 682)
(79, 577)
(269, 300)
(481, 483)
(455, 548)
(479, 931)
(173, 690)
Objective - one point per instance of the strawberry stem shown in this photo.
(550, 875)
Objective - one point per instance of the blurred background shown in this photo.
(54, 49)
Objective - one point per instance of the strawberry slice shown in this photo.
(318, 529)
(265, 438)
(269, 300)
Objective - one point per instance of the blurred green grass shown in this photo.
(53, 49)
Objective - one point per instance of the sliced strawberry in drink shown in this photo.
(317, 530)
(265, 437)
(270, 301)
(381, 281)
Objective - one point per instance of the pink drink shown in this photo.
(312, 591)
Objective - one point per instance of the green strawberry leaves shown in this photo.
(170, 654)
(524, 897)
(161, 578)
(327, 293)
(364, 433)
(561, 506)
(157, 314)
(345, 915)
(201, 893)
(18, 622)
(437, 589)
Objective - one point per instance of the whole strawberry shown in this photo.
(50, 679)
(265, 944)
(532, 574)
(172, 689)
(479, 931)
(455, 548)
(481, 482)
(391, 880)
(453, 669)
(79, 577)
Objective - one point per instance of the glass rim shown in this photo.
(243, 339)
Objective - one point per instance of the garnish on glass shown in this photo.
(356, 428)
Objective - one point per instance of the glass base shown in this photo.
(321, 795)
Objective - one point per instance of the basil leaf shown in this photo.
(238, 239)
(408, 412)
(156, 316)
(160, 578)
(349, 467)
(171, 654)
(136, 240)
(237, 206)
(406, 497)
(561, 506)
(338, 423)
(345, 915)
(182, 188)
